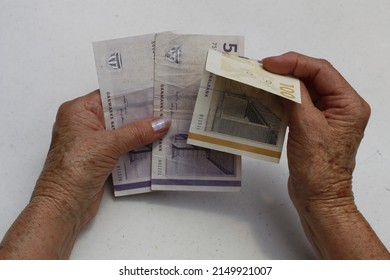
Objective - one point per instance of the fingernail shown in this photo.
(160, 124)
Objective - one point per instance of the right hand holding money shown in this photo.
(325, 131)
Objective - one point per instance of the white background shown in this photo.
(46, 58)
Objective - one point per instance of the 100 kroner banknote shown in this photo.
(239, 109)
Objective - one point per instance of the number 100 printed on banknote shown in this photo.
(239, 110)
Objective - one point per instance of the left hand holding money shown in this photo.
(68, 192)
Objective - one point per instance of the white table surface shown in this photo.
(47, 58)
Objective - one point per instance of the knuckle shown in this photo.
(292, 53)
(139, 134)
(366, 107)
(325, 63)
(366, 110)
(360, 111)
(64, 109)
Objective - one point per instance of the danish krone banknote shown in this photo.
(239, 110)
(251, 72)
(125, 69)
(176, 165)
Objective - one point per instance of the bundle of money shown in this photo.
(160, 74)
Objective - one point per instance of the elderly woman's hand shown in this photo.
(69, 190)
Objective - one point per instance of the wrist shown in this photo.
(333, 211)
(57, 210)
(324, 200)
(78, 200)
(56, 198)
(40, 232)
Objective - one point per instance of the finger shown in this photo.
(93, 96)
(317, 72)
(92, 102)
(304, 114)
(140, 133)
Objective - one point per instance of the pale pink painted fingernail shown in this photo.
(160, 124)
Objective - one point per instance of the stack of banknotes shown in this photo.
(219, 110)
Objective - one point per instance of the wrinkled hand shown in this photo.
(82, 155)
(324, 131)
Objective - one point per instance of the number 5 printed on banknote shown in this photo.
(125, 69)
(176, 165)
(239, 110)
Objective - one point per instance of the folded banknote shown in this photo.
(239, 109)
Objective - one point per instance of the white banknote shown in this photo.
(125, 69)
(251, 72)
(239, 110)
(176, 165)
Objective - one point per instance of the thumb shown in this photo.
(304, 114)
(302, 67)
(139, 133)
